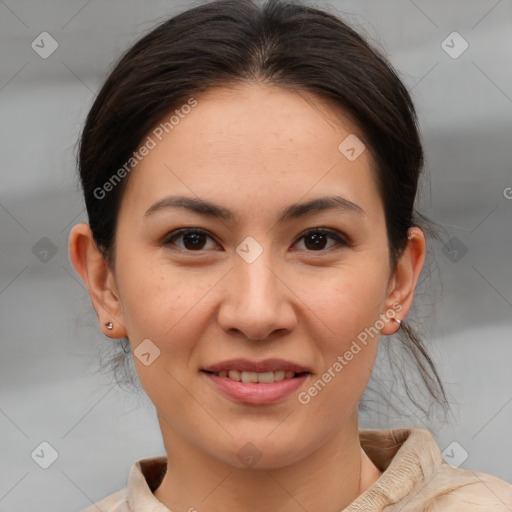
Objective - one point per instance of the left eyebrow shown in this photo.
(293, 211)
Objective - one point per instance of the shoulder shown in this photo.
(116, 502)
(144, 476)
(461, 490)
(416, 478)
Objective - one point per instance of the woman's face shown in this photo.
(254, 285)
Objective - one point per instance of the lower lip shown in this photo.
(256, 393)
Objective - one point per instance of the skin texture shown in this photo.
(254, 149)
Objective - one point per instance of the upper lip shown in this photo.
(267, 365)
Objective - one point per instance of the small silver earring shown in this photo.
(109, 326)
(399, 322)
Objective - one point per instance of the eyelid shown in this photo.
(340, 237)
(167, 239)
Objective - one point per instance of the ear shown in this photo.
(403, 281)
(99, 279)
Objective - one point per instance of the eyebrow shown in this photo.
(293, 211)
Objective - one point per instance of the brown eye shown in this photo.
(315, 239)
(193, 239)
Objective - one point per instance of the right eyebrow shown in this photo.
(293, 211)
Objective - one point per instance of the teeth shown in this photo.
(234, 375)
(263, 377)
(281, 374)
(249, 377)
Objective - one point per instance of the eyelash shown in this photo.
(335, 235)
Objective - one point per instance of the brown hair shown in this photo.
(282, 43)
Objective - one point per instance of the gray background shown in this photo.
(50, 387)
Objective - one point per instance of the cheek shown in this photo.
(148, 300)
(351, 310)
(349, 349)
(161, 306)
(167, 305)
(348, 300)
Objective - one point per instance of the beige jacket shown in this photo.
(415, 479)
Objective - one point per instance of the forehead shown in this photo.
(262, 143)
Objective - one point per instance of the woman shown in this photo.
(250, 174)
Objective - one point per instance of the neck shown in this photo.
(339, 468)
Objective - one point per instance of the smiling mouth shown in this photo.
(257, 377)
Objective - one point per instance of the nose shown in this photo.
(257, 302)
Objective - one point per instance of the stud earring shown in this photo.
(109, 325)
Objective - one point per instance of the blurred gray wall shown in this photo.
(50, 390)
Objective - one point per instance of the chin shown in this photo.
(262, 453)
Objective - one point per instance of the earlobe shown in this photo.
(404, 279)
(95, 273)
